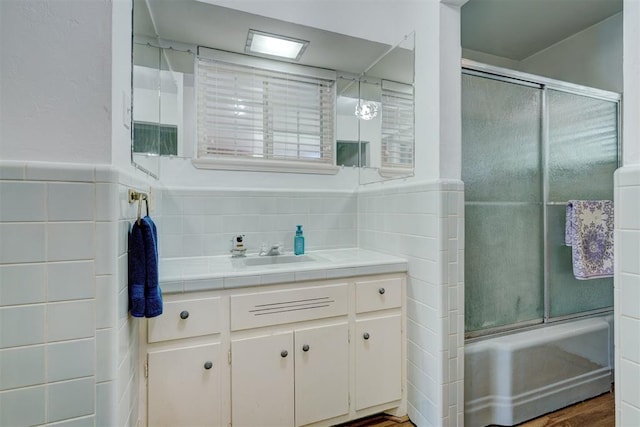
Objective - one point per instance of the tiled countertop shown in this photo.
(223, 272)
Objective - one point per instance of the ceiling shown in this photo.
(516, 29)
(198, 23)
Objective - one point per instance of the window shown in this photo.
(397, 127)
(254, 111)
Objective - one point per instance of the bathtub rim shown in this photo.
(529, 325)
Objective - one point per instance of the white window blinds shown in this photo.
(245, 112)
(397, 127)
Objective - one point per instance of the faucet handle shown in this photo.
(263, 249)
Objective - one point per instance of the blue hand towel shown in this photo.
(152, 291)
(137, 272)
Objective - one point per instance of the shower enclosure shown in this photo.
(528, 146)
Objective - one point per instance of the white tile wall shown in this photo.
(70, 320)
(70, 280)
(63, 235)
(15, 207)
(424, 222)
(70, 201)
(22, 367)
(22, 325)
(70, 359)
(627, 295)
(70, 399)
(202, 223)
(22, 284)
(22, 243)
(70, 241)
(63, 287)
(23, 406)
(124, 344)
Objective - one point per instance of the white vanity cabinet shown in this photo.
(292, 373)
(378, 342)
(184, 364)
(306, 353)
(293, 378)
(378, 359)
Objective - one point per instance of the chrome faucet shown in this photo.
(275, 249)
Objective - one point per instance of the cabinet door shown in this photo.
(378, 361)
(321, 371)
(262, 371)
(184, 386)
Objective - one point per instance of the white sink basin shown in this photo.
(277, 259)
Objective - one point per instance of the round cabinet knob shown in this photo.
(184, 314)
(208, 365)
(365, 335)
(305, 347)
(381, 291)
(284, 353)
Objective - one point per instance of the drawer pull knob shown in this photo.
(284, 353)
(184, 314)
(366, 335)
(208, 365)
(305, 347)
(381, 291)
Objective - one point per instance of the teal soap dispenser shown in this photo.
(298, 241)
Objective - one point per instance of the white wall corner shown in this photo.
(450, 93)
(631, 71)
(456, 3)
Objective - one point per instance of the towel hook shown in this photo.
(139, 210)
(139, 196)
(142, 197)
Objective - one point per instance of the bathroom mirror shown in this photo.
(166, 34)
(375, 117)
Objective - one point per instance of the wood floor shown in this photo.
(380, 420)
(596, 412)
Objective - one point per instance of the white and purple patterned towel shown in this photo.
(589, 232)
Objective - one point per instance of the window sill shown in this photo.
(259, 165)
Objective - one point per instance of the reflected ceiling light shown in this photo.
(366, 110)
(274, 45)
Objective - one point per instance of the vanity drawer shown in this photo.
(296, 305)
(186, 318)
(378, 294)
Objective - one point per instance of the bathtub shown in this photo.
(513, 378)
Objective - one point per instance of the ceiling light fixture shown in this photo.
(274, 45)
(366, 110)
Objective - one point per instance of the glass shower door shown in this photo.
(501, 169)
(582, 157)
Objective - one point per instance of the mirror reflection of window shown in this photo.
(397, 126)
(347, 153)
(263, 109)
(163, 92)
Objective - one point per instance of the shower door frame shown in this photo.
(506, 75)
